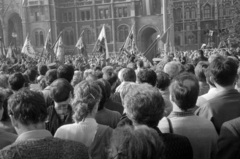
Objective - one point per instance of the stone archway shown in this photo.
(147, 35)
(14, 24)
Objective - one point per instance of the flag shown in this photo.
(10, 54)
(28, 48)
(211, 32)
(102, 46)
(59, 50)
(82, 48)
(130, 44)
(48, 43)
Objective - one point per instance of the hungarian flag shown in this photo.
(130, 44)
(28, 48)
(48, 42)
(82, 48)
(59, 50)
(102, 46)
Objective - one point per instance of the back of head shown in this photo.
(66, 72)
(136, 143)
(147, 76)
(201, 53)
(27, 107)
(140, 64)
(163, 80)
(184, 91)
(16, 81)
(107, 72)
(189, 68)
(200, 70)
(32, 74)
(60, 90)
(106, 91)
(42, 69)
(129, 75)
(172, 69)
(87, 95)
(77, 78)
(224, 71)
(51, 76)
(144, 105)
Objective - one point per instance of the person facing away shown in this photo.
(87, 95)
(28, 112)
(201, 132)
(225, 105)
(140, 142)
(60, 113)
(144, 105)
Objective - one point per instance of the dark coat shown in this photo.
(224, 107)
(229, 140)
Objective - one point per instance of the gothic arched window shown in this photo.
(187, 13)
(41, 38)
(207, 11)
(122, 33)
(36, 38)
(193, 13)
(227, 10)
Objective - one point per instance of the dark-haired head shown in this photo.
(128, 75)
(60, 90)
(163, 80)
(16, 81)
(42, 69)
(147, 76)
(223, 71)
(106, 92)
(32, 74)
(200, 70)
(66, 72)
(184, 91)
(51, 76)
(27, 107)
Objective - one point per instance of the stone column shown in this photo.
(94, 16)
(165, 19)
(113, 27)
(199, 23)
(76, 20)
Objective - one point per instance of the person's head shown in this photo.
(200, 53)
(184, 91)
(107, 72)
(144, 105)
(51, 76)
(66, 72)
(223, 71)
(16, 81)
(3, 81)
(106, 92)
(87, 73)
(147, 76)
(32, 74)
(42, 69)
(128, 75)
(2, 99)
(132, 66)
(189, 68)
(200, 71)
(163, 80)
(172, 69)
(27, 110)
(87, 95)
(61, 91)
(140, 64)
(208, 79)
(140, 142)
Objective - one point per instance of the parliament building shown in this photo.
(191, 19)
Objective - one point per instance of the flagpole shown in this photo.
(57, 39)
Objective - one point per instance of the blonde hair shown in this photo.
(86, 95)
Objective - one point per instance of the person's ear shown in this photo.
(212, 80)
(13, 121)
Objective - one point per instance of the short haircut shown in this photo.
(147, 76)
(223, 71)
(163, 80)
(129, 75)
(42, 69)
(2, 98)
(189, 68)
(184, 91)
(86, 95)
(66, 72)
(144, 105)
(51, 76)
(28, 107)
(200, 52)
(60, 90)
(140, 142)
(3, 81)
(113, 79)
(32, 74)
(200, 70)
(16, 81)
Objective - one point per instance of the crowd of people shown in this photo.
(183, 106)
